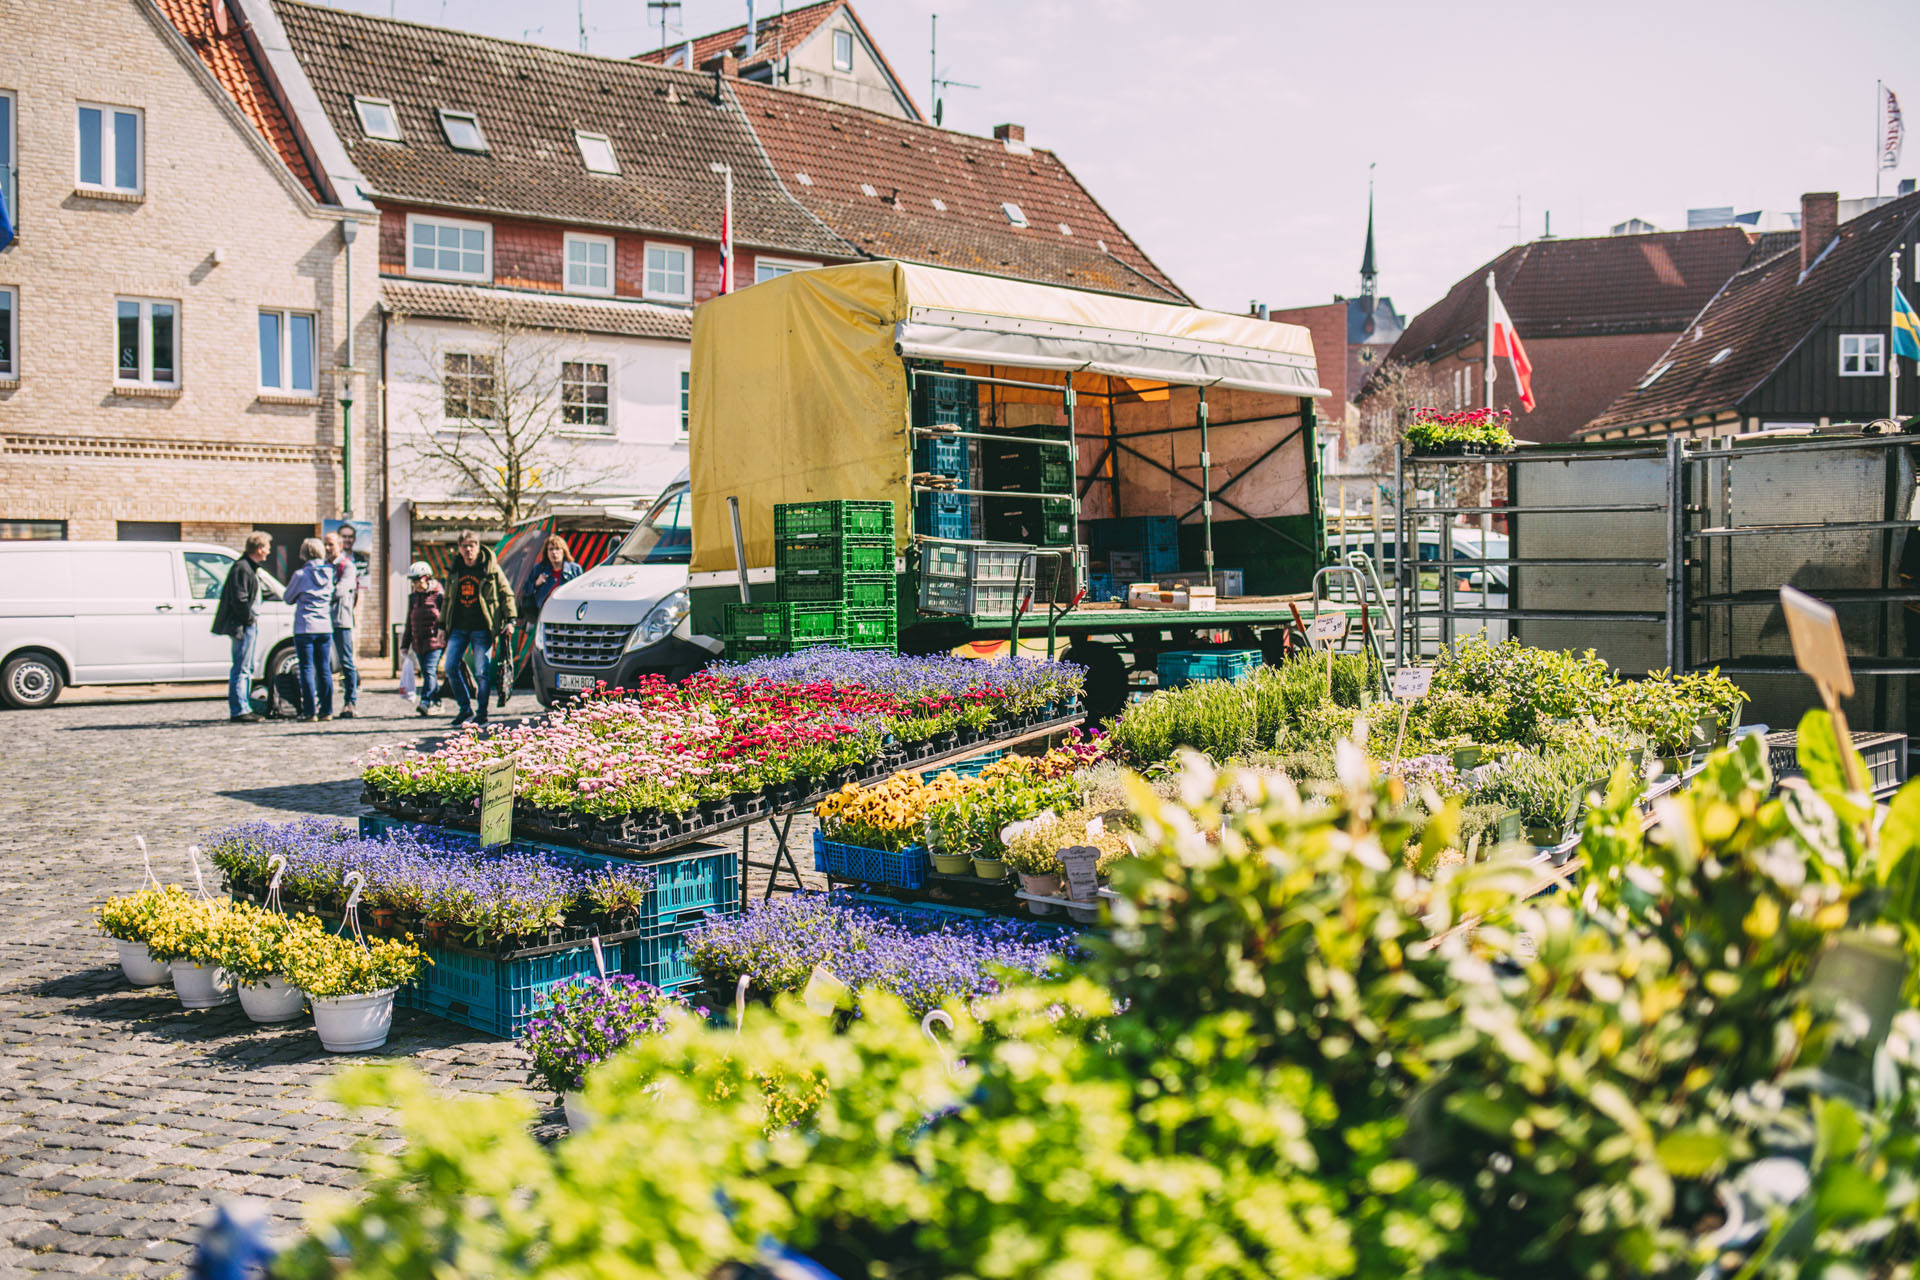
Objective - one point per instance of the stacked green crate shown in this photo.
(837, 557)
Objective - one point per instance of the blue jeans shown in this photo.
(240, 679)
(459, 645)
(343, 663)
(424, 664)
(316, 678)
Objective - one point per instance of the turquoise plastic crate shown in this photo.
(906, 868)
(1184, 666)
(660, 957)
(498, 996)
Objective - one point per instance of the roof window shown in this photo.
(1720, 355)
(378, 118)
(1654, 377)
(803, 179)
(596, 152)
(866, 189)
(463, 130)
(1065, 230)
(1013, 213)
(939, 204)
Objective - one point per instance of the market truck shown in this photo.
(1084, 420)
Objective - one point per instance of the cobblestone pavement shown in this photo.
(123, 1118)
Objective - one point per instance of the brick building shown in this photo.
(1594, 313)
(177, 299)
(1799, 337)
(819, 49)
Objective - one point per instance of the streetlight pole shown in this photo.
(348, 230)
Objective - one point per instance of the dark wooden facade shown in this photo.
(1807, 385)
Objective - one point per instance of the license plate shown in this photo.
(565, 681)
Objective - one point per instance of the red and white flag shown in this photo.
(726, 242)
(1506, 344)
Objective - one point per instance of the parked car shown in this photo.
(84, 613)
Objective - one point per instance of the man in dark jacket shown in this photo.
(235, 617)
(479, 606)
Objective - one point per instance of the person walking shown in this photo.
(479, 607)
(424, 637)
(237, 616)
(346, 594)
(555, 570)
(310, 592)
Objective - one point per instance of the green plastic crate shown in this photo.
(741, 650)
(837, 518)
(872, 629)
(853, 590)
(832, 555)
(763, 623)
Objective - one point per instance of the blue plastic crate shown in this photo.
(908, 868)
(969, 768)
(951, 456)
(1102, 587)
(498, 996)
(1183, 666)
(659, 957)
(947, 515)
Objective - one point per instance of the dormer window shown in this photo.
(843, 50)
(596, 152)
(463, 130)
(1013, 213)
(378, 118)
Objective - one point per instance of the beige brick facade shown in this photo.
(223, 230)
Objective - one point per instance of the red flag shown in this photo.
(726, 243)
(1506, 342)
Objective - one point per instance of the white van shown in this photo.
(122, 613)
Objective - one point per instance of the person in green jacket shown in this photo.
(479, 607)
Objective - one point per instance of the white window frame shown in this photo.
(1659, 371)
(144, 343)
(287, 388)
(580, 140)
(783, 267)
(587, 428)
(842, 34)
(1015, 214)
(1869, 349)
(566, 264)
(360, 106)
(493, 372)
(11, 372)
(646, 272)
(9, 181)
(435, 273)
(108, 155)
(686, 399)
(464, 117)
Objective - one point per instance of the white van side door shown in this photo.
(127, 614)
(207, 656)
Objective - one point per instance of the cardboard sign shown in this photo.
(826, 994)
(1817, 644)
(1083, 880)
(496, 802)
(1328, 628)
(1412, 682)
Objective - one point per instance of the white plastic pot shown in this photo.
(272, 1000)
(350, 1024)
(579, 1117)
(201, 986)
(141, 969)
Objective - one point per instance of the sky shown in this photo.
(1233, 139)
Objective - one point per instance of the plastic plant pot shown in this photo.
(579, 1117)
(952, 864)
(355, 1023)
(990, 868)
(201, 986)
(141, 969)
(274, 1000)
(1047, 886)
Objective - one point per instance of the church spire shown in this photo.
(1369, 272)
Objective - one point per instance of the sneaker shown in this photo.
(462, 718)
(347, 712)
(304, 719)
(246, 717)
(480, 722)
(423, 710)
(327, 716)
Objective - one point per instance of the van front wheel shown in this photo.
(30, 680)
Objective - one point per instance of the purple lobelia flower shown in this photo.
(587, 1020)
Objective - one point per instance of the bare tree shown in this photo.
(496, 411)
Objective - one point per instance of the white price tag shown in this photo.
(1328, 628)
(826, 993)
(1412, 682)
(1083, 880)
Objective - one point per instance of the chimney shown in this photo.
(1819, 222)
(1010, 132)
(729, 66)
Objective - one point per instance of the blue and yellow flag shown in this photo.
(1906, 327)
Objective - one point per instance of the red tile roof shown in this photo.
(1761, 315)
(234, 66)
(874, 179)
(526, 309)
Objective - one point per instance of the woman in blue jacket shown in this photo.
(310, 592)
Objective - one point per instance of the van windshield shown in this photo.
(664, 535)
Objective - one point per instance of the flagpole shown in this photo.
(1487, 376)
(1879, 133)
(1486, 498)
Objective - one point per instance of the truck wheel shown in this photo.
(29, 680)
(1106, 693)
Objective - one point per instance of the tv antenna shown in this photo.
(665, 7)
(936, 82)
